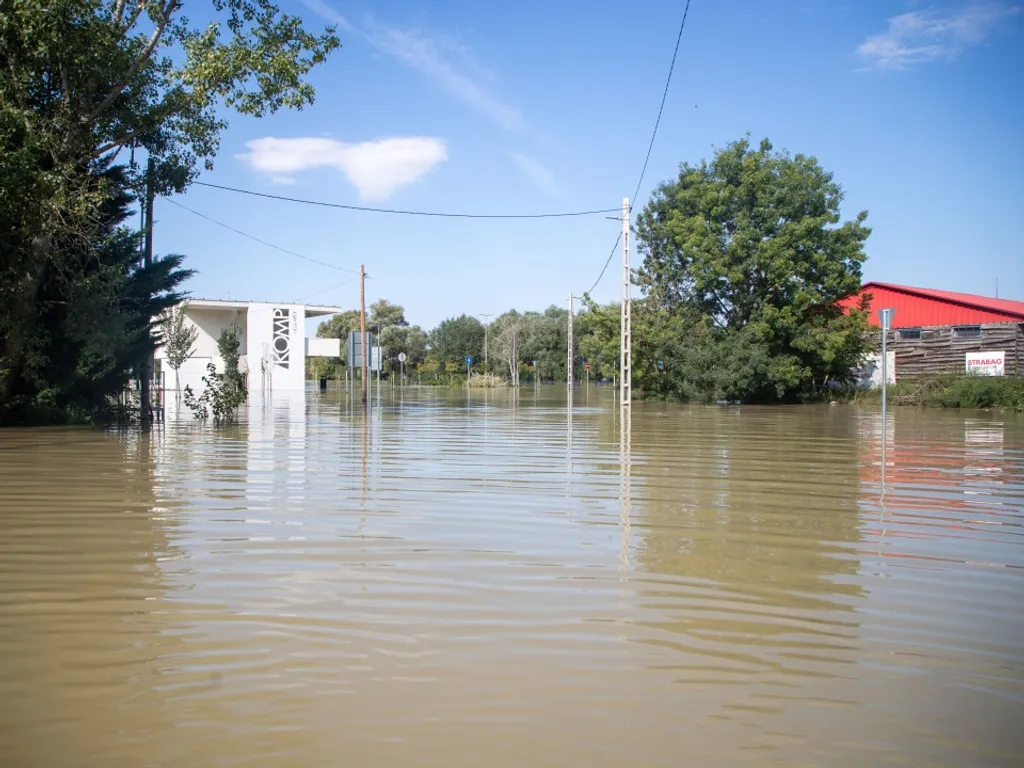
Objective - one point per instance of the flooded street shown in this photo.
(464, 580)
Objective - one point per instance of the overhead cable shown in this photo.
(258, 240)
(395, 211)
(650, 146)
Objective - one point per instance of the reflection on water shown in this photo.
(464, 578)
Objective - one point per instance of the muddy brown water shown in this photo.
(467, 581)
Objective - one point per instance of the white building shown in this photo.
(273, 343)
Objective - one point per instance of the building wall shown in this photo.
(938, 351)
(276, 347)
(210, 323)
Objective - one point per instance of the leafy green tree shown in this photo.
(546, 342)
(597, 329)
(749, 249)
(93, 313)
(229, 346)
(410, 339)
(179, 338)
(457, 338)
(83, 82)
(224, 392)
(383, 314)
(508, 337)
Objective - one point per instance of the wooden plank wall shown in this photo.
(938, 352)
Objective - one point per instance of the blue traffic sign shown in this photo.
(469, 361)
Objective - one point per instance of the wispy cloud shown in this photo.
(537, 172)
(377, 169)
(443, 61)
(929, 35)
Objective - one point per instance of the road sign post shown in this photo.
(885, 318)
(469, 362)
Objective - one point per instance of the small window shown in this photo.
(967, 332)
(908, 334)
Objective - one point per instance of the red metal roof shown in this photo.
(917, 307)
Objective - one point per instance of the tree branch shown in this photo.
(118, 141)
(65, 87)
(119, 10)
(140, 5)
(144, 56)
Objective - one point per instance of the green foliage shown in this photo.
(410, 339)
(486, 381)
(89, 77)
(744, 261)
(383, 314)
(84, 80)
(597, 330)
(457, 338)
(72, 327)
(507, 335)
(545, 340)
(179, 338)
(224, 392)
(229, 346)
(221, 397)
(952, 391)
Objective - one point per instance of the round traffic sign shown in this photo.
(401, 357)
(587, 365)
(469, 361)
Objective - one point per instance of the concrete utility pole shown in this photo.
(146, 373)
(626, 320)
(569, 335)
(487, 331)
(365, 373)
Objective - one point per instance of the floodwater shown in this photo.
(468, 581)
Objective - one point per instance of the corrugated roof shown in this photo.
(1005, 306)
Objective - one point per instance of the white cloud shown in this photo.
(376, 168)
(923, 36)
(447, 63)
(536, 172)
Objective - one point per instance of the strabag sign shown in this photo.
(986, 363)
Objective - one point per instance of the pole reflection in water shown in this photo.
(625, 485)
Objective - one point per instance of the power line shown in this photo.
(436, 214)
(607, 262)
(664, 96)
(650, 146)
(301, 299)
(256, 239)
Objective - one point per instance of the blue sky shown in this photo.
(532, 107)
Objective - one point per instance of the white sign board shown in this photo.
(986, 363)
(869, 374)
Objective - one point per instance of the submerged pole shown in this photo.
(885, 317)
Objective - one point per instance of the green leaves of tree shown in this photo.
(749, 248)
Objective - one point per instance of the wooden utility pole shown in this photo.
(363, 351)
(146, 372)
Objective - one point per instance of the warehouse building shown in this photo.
(945, 332)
